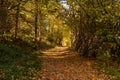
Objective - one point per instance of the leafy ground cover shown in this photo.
(61, 63)
(24, 61)
(110, 68)
(16, 64)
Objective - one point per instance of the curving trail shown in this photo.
(61, 63)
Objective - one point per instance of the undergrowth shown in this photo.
(16, 64)
(109, 68)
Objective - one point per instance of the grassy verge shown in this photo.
(16, 64)
(109, 68)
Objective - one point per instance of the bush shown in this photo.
(17, 64)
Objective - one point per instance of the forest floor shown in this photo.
(61, 63)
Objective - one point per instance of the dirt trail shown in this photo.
(60, 63)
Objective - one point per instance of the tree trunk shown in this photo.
(3, 16)
(36, 20)
(17, 20)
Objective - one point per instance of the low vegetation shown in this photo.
(16, 64)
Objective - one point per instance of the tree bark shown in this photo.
(36, 20)
(17, 20)
(3, 16)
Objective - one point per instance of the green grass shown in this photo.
(108, 67)
(16, 64)
(112, 72)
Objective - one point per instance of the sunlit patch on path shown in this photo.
(61, 63)
(58, 52)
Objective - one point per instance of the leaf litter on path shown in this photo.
(61, 63)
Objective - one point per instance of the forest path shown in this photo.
(61, 63)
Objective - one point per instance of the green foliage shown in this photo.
(46, 2)
(95, 27)
(107, 67)
(17, 64)
(112, 72)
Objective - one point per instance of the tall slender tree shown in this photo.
(3, 15)
(17, 18)
(36, 20)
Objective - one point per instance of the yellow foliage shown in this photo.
(109, 7)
